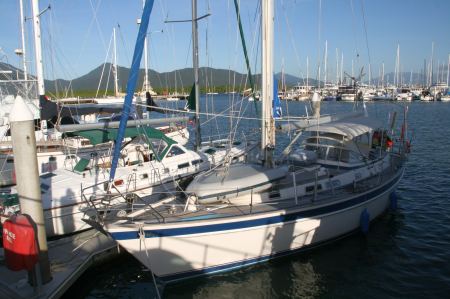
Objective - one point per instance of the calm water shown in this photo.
(405, 255)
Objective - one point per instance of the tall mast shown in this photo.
(370, 74)
(116, 80)
(431, 63)
(448, 68)
(267, 125)
(325, 66)
(337, 67)
(307, 74)
(22, 29)
(410, 78)
(195, 65)
(397, 68)
(382, 75)
(353, 69)
(146, 81)
(342, 67)
(38, 48)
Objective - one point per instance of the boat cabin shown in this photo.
(344, 143)
(142, 144)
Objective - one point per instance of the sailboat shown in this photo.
(145, 161)
(53, 150)
(237, 215)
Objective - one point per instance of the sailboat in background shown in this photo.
(53, 117)
(145, 161)
(245, 213)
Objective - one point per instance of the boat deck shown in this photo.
(172, 209)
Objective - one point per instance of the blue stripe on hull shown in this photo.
(172, 278)
(171, 232)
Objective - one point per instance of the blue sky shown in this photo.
(76, 34)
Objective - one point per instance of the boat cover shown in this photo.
(237, 178)
(98, 136)
(349, 129)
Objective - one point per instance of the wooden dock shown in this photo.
(69, 258)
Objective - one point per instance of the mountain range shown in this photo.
(181, 79)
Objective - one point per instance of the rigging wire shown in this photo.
(366, 35)
(291, 35)
(354, 33)
(103, 68)
(126, 49)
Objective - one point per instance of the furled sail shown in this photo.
(131, 85)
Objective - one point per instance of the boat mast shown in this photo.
(307, 74)
(397, 67)
(146, 81)
(38, 48)
(431, 64)
(23, 52)
(325, 66)
(195, 65)
(268, 124)
(337, 67)
(116, 80)
(448, 68)
(353, 69)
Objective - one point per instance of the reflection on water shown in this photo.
(405, 255)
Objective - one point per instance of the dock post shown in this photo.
(27, 176)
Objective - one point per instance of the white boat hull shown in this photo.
(348, 97)
(174, 255)
(56, 157)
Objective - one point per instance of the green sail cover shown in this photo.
(190, 105)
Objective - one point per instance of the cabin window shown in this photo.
(175, 151)
(345, 156)
(143, 176)
(274, 194)
(333, 154)
(198, 161)
(321, 152)
(158, 146)
(210, 151)
(47, 175)
(311, 188)
(183, 165)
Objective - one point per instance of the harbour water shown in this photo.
(405, 255)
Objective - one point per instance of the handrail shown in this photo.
(91, 200)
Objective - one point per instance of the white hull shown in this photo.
(191, 254)
(445, 99)
(65, 207)
(348, 98)
(55, 157)
(426, 98)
